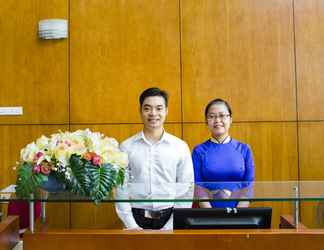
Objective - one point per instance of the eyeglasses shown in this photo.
(212, 117)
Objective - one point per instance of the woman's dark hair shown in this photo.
(154, 92)
(218, 101)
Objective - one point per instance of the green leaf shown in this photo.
(28, 181)
(120, 177)
(80, 181)
(103, 180)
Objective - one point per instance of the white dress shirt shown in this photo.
(160, 170)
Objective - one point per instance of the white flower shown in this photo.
(42, 142)
(59, 147)
(28, 153)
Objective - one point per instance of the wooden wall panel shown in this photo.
(274, 146)
(309, 19)
(312, 214)
(34, 72)
(311, 157)
(12, 140)
(87, 215)
(242, 51)
(119, 48)
(311, 150)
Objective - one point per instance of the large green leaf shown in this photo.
(103, 179)
(80, 181)
(27, 181)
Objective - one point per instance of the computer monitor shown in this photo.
(222, 218)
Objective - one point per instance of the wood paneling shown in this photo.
(12, 140)
(87, 215)
(34, 72)
(311, 150)
(309, 19)
(311, 157)
(274, 146)
(312, 214)
(242, 51)
(119, 48)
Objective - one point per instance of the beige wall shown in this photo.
(264, 56)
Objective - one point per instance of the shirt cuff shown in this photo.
(130, 222)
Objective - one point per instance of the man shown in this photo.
(160, 166)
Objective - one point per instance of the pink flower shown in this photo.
(38, 155)
(36, 168)
(93, 157)
(96, 160)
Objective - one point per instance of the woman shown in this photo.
(222, 159)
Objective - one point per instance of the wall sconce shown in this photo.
(53, 29)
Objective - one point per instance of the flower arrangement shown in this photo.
(87, 163)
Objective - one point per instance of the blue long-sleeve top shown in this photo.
(228, 162)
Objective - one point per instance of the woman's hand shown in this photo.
(226, 193)
(205, 204)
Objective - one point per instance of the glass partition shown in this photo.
(180, 193)
(189, 192)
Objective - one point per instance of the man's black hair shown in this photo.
(154, 92)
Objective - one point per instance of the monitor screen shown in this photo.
(222, 218)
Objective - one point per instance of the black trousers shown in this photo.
(159, 219)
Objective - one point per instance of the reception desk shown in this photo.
(274, 239)
(293, 235)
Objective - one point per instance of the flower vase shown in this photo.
(53, 184)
